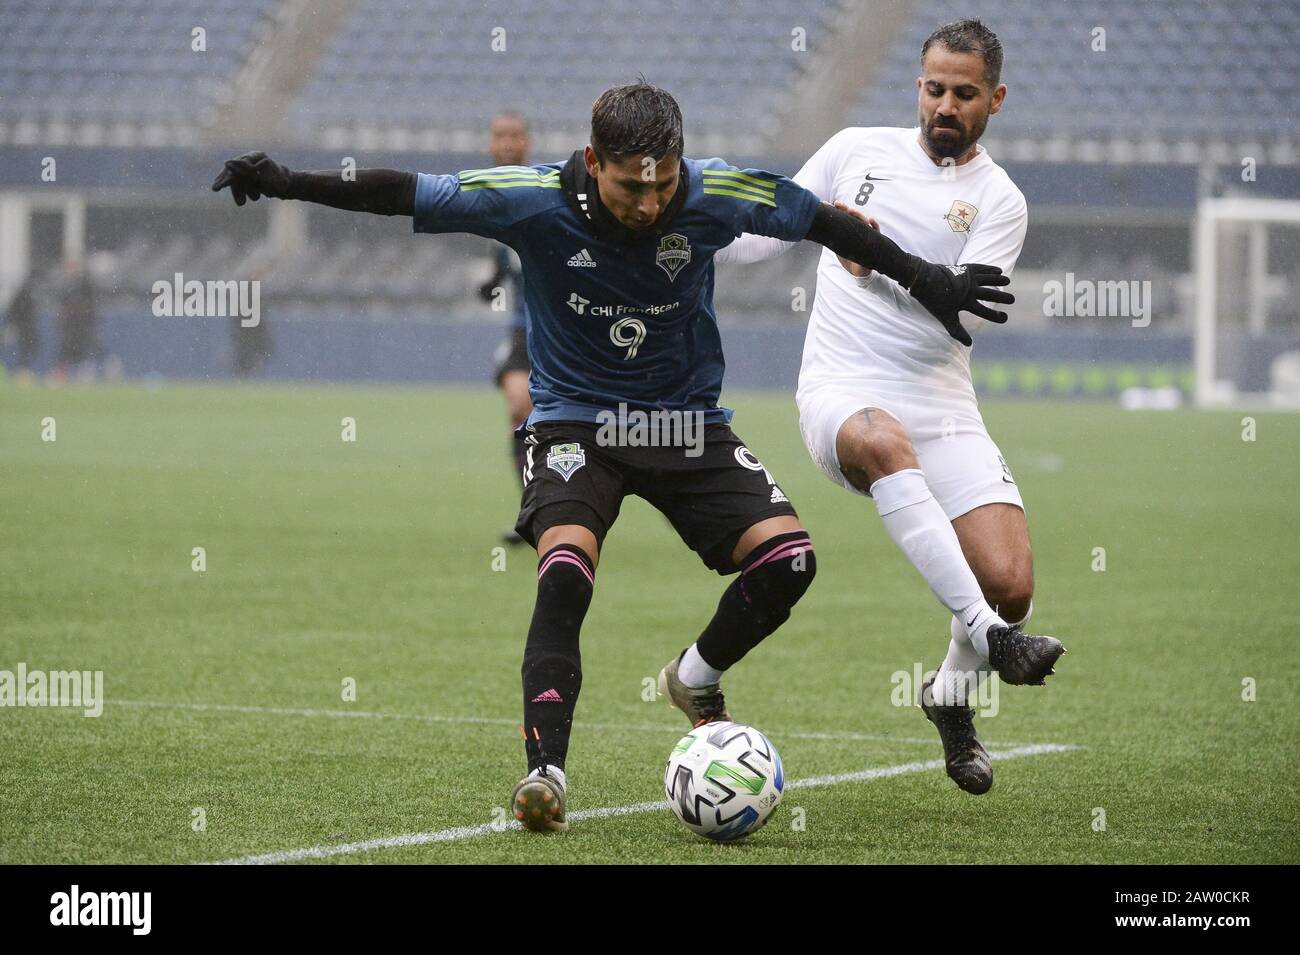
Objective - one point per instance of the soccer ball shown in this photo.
(723, 780)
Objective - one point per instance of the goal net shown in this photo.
(1247, 280)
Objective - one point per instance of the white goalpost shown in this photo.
(1241, 354)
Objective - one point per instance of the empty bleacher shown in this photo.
(1179, 70)
(125, 61)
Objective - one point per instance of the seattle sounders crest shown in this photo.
(564, 459)
(674, 254)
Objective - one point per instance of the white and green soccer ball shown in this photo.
(724, 780)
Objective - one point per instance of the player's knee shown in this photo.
(778, 573)
(565, 580)
(872, 446)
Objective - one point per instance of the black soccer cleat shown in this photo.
(1021, 659)
(964, 756)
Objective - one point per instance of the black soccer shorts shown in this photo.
(710, 500)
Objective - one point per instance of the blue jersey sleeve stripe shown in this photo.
(497, 176)
(742, 189)
(709, 191)
(740, 177)
(509, 185)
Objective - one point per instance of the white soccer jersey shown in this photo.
(871, 330)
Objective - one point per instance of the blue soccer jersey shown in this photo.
(613, 316)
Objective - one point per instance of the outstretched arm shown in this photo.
(385, 192)
(818, 177)
(752, 248)
(944, 290)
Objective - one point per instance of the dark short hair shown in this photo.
(636, 120)
(970, 36)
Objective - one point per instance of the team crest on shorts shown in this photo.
(674, 254)
(961, 215)
(565, 459)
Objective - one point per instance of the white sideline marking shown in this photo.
(469, 832)
(493, 721)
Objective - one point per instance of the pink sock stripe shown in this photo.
(563, 557)
(783, 551)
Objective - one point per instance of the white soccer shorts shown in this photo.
(962, 465)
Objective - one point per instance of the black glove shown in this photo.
(252, 176)
(947, 289)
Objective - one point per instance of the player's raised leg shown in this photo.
(730, 510)
(777, 564)
(995, 541)
(876, 455)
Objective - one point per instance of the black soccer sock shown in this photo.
(552, 669)
(773, 577)
(518, 453)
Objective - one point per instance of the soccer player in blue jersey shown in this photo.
(617, 247)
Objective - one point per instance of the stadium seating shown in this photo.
(425, 65)
(433, 66)
(124, 61)
(1144, 84)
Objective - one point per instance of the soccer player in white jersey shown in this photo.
(886, 404)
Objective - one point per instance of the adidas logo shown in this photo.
(550, 696)
(778, 496)
(582, 260)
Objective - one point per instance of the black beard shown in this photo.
(951, 147)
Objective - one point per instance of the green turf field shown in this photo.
(373, 561)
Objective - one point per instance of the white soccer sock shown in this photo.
(962, 669)
(923, 532)
(694, 672)
(555, 772)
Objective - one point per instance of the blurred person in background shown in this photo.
(21, 318)
(78, 324)
(252, 343)
(508, 145)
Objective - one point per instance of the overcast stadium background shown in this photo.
(1113, 148)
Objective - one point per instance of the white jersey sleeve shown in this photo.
(818, 177)
(752, 248)
(999, 240)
